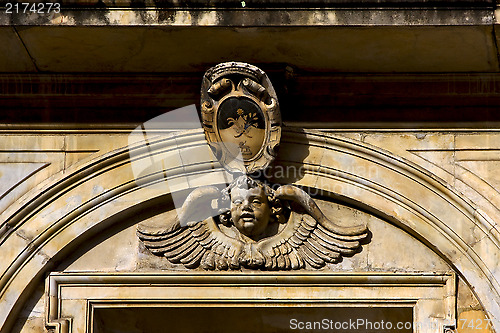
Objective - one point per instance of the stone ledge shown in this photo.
(279, 4)
(255, 17)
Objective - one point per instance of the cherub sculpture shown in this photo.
(254, 227)
(250, 225)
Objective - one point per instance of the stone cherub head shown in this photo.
(253, 207)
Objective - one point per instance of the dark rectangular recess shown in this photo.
(263, 319)
(414, 100)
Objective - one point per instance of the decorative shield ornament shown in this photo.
(241, 116)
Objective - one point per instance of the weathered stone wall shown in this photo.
(466, 161)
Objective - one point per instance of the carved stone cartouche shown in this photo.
(241, 116)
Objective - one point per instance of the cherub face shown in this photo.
(250, 211)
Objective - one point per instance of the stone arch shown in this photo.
(71, 206)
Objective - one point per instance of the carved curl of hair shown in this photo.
(245, 182)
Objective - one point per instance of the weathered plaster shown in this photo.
(447, 230)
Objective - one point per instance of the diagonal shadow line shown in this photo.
(26, 48)
(3, 195)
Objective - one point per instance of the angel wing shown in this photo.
(192, 243)
(312, 239)
(200, 244)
